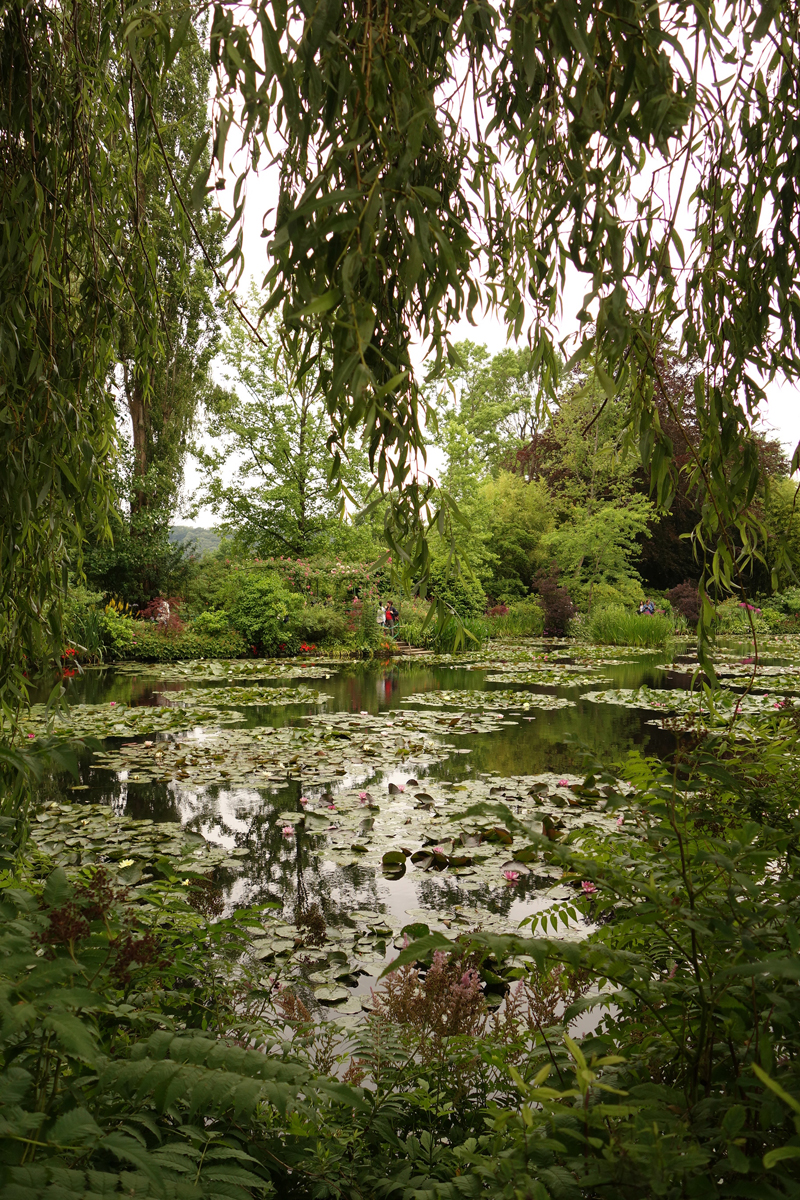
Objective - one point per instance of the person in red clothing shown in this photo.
(392, 619)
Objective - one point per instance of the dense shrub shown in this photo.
(556, 602)
(149, 644)
(262, 612)
(462, 593)
(739, 616)
(317, 623)
(117, 633)
(525, 618)
(141, 563)
(685, 599)
(627, 592)
(787, 601)
(213, 621)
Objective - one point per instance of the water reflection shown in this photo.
(247, 818)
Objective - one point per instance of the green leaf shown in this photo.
(418, 951)
(58, 888)
(781, 1154)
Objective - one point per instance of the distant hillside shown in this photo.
(206, 540)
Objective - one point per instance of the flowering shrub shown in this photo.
(445, 1000)
(738, 616)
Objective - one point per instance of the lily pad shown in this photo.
(498, 700)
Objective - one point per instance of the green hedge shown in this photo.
(149, 644)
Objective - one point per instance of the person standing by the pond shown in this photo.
(381, 616)
(392, 618)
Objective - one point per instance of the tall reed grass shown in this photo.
(616, 626)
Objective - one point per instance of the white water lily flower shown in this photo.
(126, 862)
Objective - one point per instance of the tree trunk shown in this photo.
(138, 410)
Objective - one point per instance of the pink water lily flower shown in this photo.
(563, 783)
(363, 795)
(288, 831)
(112, 703)
(439, 850)
(333, 806)
(620, 822)
(304, 799)
(511, 876)
(401, 787)
(30, 735)
(589, 888)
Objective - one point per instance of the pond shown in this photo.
(346, 784)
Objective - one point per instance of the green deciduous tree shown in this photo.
(495, 397)
(266, 454)
(519, 514)
(67, 188)
(79, 96)
(161, 393)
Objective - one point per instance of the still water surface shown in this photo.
(247, 817)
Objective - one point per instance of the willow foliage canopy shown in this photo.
(431, 158)
(435, 156)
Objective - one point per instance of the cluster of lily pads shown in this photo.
(699, 711)
(115, 719)
(443, 826)
(322, 753)
(231, 669)
(561, 675)
(497, 699)
(422, 722)
(773, 677)
(75, 836)
(243, 696)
